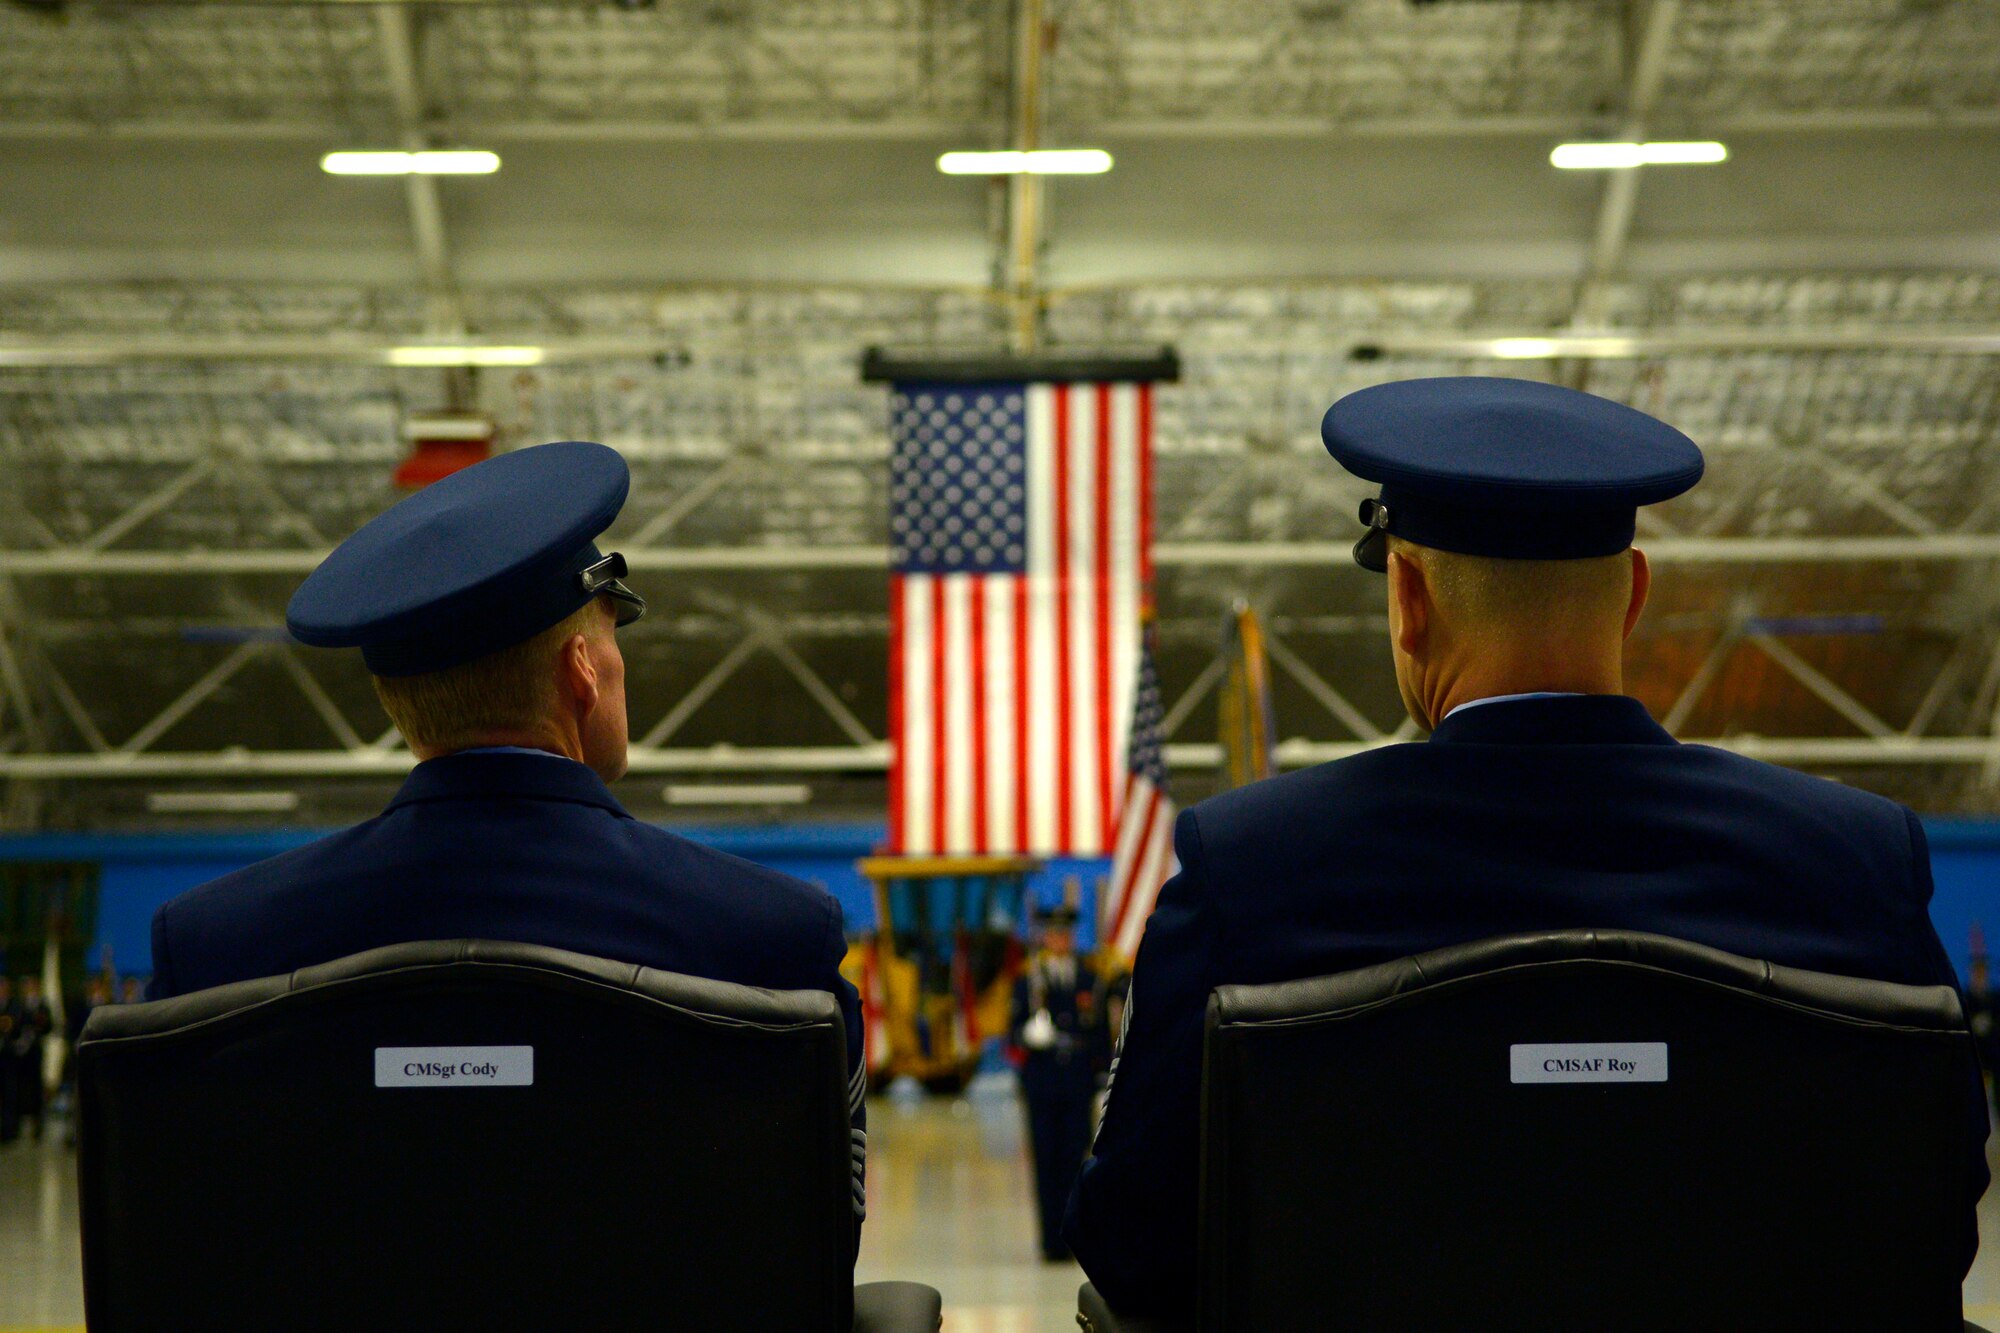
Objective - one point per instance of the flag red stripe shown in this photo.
(1105, 812)
(1145, 443)
(978, 668)
(1061, 519)
(940, 756)
(1024, 771)
(896, 829)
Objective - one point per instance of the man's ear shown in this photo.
(1642, 584)
(1410, 596)
(577, 673)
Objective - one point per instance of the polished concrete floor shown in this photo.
(948, 1204)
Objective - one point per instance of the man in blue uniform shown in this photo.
(1545, 797)
(486, 613)
(1058, 1022)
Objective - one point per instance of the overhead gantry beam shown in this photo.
(1504, 344)
(399, 63)
(914, 130)
(869, 759)
(73, 562)
(1650, 25)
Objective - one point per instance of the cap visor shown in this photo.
(1372, 551)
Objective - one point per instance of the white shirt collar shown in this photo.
(1509, 698)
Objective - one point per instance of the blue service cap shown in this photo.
(1503, 467)
(483, 559)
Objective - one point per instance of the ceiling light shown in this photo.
(1622, 156)
(430, 162)
(221, 802)
(1700, 152)
(1040, 162)
(1522, 349)
(768, 793)
(438, 354)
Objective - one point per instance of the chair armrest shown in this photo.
(1094, 1315)
(897, 1307)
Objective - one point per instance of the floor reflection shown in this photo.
(950, 1203)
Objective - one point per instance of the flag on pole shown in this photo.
(874, 1011)
(1144, 859)
(1021, 526)
(1244, 702)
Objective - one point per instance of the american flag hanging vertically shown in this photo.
(1021, 523)
(1144, 859)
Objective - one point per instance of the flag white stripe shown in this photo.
(1000, 714)
(1083, 648)
(917, 752)
(956, 837)
(1041, 704)
(1124, 569)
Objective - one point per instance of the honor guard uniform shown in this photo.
(500, 843)
(27, 1051)
(1523, 813)
(1058, 1022)
(11, 1015)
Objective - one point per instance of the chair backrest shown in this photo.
(1583, 1129)
(462, 1134)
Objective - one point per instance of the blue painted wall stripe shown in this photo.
(141, 871)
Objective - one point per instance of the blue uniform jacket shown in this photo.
(1533, 814)
(522, 847)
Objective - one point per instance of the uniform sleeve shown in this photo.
(857, 1063)
(1977, 1176)
(1132, 1217)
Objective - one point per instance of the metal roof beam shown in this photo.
(399, 60)
(1824, 121)
(1943, 546)
(1651, 24)
(1503, 344)
(1839, 751)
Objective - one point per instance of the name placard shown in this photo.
(1590, 1062)
(454, 1066)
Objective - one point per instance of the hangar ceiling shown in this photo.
(708, 210)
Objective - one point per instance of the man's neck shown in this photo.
(561, 746)
(1493, 680)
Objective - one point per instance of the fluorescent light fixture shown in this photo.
(438, 354)
(430, 162)
(1040, 162)
(1696, 153)
(1622, 156)
(1522, 349)
(222, 802)
(738, 793)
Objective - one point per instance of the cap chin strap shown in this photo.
(606, 579)
(1372, 551)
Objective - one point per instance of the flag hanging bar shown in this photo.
(986, 365)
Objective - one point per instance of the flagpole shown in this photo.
(1024, 199)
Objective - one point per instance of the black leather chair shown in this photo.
(1580, 1130)
(459, 1135)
